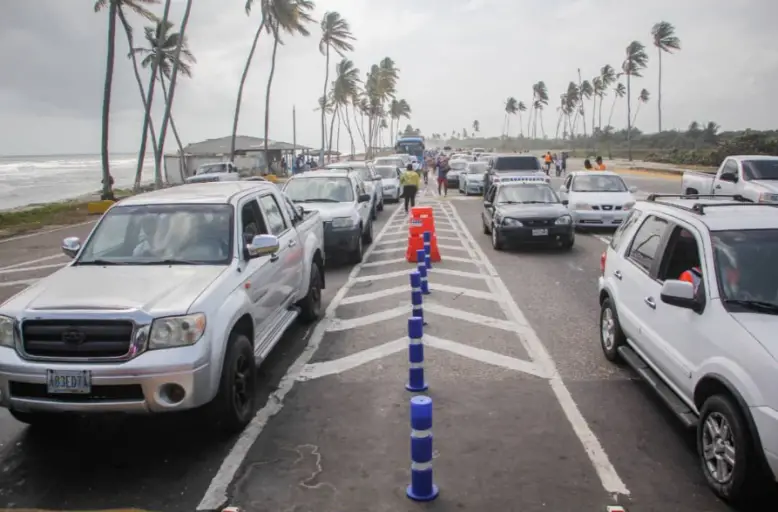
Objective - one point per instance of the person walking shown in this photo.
(443, 169)
(409, 181)
(599, 165)
(547, 161)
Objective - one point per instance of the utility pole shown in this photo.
(294, 138)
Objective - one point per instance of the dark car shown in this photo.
(526, 212)
(503, 166)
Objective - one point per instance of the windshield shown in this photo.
(477, 168)
(386, 172)
(212, 169)
(761, 169)
(162, 234)
(320, 190)
(598, 183)
(411, 148)
(458, 165)
(397, 162)
(530, 193)
(516, 163)
(745, 266)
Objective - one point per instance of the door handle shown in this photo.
(718, 186)
(292, 243)
(617, 274)
(274, 257)
(650, 302)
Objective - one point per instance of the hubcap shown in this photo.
(608, 328)
(241, 385)
(718, 448)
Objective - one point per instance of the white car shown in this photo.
(364, 172)
(222, 171)
(597, 198)
(688, 299)
(390, 181)
(457, 166)
(471, 181)
(395, 161)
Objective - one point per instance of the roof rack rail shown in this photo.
(699, 208)
(734, 197)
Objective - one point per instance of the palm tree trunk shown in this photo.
(542, 128)
(174, 128)
(637, 111)
(613, 107)
(171, 94)
(131, 45)
(348, 129)
(150, 99)
(107, 192)
(241, 85)
(274, 26)
(558, 124)
(360, 130)
(332, 132)
(629, 115)
(324, 110)
(521, 125)
(337, 137)
(659, 89)
(599, 122)
(583, 112)
(529, 123)
(594, 112)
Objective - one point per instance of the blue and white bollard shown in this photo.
(427, 249)
(416, 382)
(421, 268)
(417, 308)
(422, 487)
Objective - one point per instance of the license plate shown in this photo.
(539, 232)
(69, 381)
(607, 219)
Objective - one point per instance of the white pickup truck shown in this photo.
(168, 305)
(689, 299)
(753, 177)
(223, 171)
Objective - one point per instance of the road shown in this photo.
(528, 414)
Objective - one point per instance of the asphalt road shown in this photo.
(508, 435)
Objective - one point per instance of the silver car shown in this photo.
(471, 181)
(390, 181)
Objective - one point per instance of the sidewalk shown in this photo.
(502, 435)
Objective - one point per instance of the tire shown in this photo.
(746, 477)
(356, 255)
(310, 306)
(381, 205)
(235, 402)
(367, 237)
(496, 240)
(609, 322)
(374, 213)
(567, 244)
(486, 228)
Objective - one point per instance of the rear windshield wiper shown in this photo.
(755, 305)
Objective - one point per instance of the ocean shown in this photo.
(28, 180)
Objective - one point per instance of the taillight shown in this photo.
(603, 259)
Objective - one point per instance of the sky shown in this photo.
(458, 59)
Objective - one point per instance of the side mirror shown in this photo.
(562, 190)
(364, 198)
(565, 202)
(633, 190)
(262, 245)
(71, 245)
(679, 293)
(487, 204)
(301, 211)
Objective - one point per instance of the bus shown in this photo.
(411, 146)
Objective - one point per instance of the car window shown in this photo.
(682, 253)
(643, 251)
(626, 225)
(273, 216)
(761, 169)
(567, 182)
(598, 183)
(291, 210)
(517, 163)
(327, 189)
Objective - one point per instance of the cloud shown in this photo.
(459, 60)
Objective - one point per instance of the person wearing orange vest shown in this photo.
(693, 276)
(600, 166)
(547, 160)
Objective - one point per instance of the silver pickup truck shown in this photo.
(753, 177)
(168, 305)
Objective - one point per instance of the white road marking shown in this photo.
(609, 477)
(38, 233)
(32, 262)
(334, 367)
(486, 321)
(451, 247)
(484, 356)
(388, 251)
(385, 275)
(30, 269)
(457, 273)
(455, 290)
(23, 282)
(381, 263)
(604, 239)
(346, 324)
(216, 494)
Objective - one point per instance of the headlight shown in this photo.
(628, 206)
(768, 197)
(6, 331)
(511, 222)
(564, 220)
(343, 222)
(582, 206)
(176, 331)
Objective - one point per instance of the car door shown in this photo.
(488, 207)
(364, 209)
(637, 288)
(564, 190)
(726, 182)
(259, 281)
(288, 267)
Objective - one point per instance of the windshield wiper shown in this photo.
(102, 262)
(317, 201)
(535, 202)
(509, 202)
(169, 261)
(755, 305)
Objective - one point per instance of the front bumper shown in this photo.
(766, 421)
(452, 181)
(532, 234)
(340, 239)
(392, 193)
(135, 386)
(598, 218)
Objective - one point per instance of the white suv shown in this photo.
(708, 347)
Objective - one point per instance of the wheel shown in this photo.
(611, 335)
(368, 235)
(310, 306)
(374, 213)
(726, 451)
(356, 255)
(496, 240)
(234, 405)
(486, 227)
(568, 243)
(381, 205)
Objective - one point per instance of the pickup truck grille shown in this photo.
(77, 338)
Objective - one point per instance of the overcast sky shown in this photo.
(459, 60)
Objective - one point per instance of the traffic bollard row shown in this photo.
(417, 308)
(427, 249)
(421, 267)
(422, 487)
(416, 382)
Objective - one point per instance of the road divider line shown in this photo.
(484, 356)
(30, 269)
(33, 262)
(334, 367)
(216, 494)
(381, 263)
(47, 231)
(609, 477)
(23, 282)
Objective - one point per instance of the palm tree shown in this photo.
(345, 91)
(477, 126)
(607, 78)
(571, 103)
(634, 63)
(289, 16)
(335, 35)
(326, 106)
(521, 107)
(114, 6)
(397, 110)
(172, 91)
(665, 40)
(539, 99)
(643, 97)
(618, 92)
(511, 107)
(586, 93)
